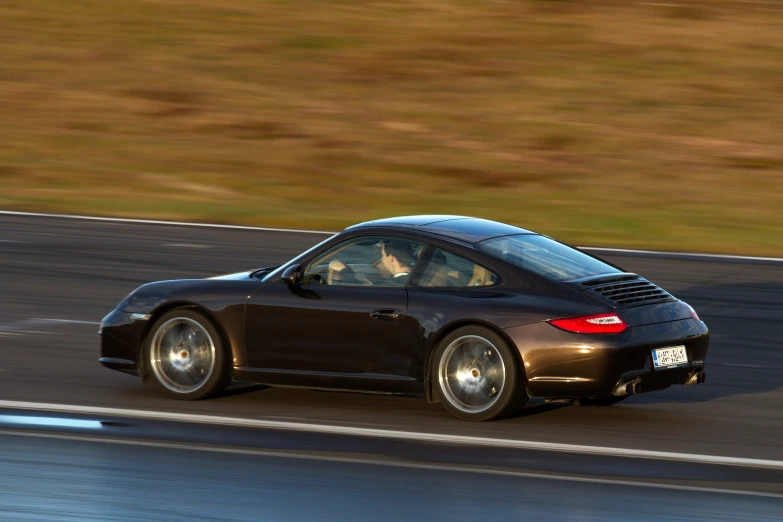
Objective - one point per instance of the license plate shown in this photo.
(668, 357)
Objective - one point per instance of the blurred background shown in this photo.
(600, 122)
(608, 123)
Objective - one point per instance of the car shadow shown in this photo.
(539, 408)
(240, 388)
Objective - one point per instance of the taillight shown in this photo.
(693, 312)
(592, 324)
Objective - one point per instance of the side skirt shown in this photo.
(368, 382)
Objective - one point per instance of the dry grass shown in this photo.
(636, 124)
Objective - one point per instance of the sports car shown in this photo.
(474, 314)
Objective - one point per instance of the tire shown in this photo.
(600, 401)
(186, 356)
(490, 383)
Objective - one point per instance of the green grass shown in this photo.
(599, 122)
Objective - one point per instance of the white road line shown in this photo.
(19, 332)
(299, 231)
(49, 422)
(393, 434)
(9, 241)
(159, 222)
(684, 254)
(380, 462)
(18, 327)
(71, 321)
(186, 245)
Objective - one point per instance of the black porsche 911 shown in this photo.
(475, 314)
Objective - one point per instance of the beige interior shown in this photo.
(481, 276)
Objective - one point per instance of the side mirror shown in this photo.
(292, 275)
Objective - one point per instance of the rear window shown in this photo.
(447, 269)
(545, 257)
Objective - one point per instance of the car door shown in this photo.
(330, 322)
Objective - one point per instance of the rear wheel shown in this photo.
(186, 355)
(477, 375)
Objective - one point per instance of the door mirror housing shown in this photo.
(292, 275)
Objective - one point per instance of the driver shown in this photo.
(396, 261)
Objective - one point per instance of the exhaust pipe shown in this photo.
(628, 388)
(697, 378)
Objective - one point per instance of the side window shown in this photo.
(365, 261)
(446, 269)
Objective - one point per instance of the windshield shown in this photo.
(545, 257)
(274, 273)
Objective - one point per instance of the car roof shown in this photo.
(462, 228)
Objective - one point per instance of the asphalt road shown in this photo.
(58, 277)
(60, 269)
(75, 480)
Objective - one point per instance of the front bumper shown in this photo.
(561, 364)
(121, 337)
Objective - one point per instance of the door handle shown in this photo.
(385, 314)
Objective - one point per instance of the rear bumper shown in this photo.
(560, 364)
(659, 380)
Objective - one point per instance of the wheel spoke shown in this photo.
(182, 332)
(191, 376)
(170, 372)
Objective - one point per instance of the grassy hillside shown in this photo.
(617, 123)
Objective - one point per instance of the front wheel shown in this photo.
(186, 355)
(477, 376)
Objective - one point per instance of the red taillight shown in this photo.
(592, 324)
(693, 312)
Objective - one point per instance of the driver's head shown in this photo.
(397, 256)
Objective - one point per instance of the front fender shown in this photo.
(149, 297)
(223, 300)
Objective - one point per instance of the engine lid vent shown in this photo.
(632, 293)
